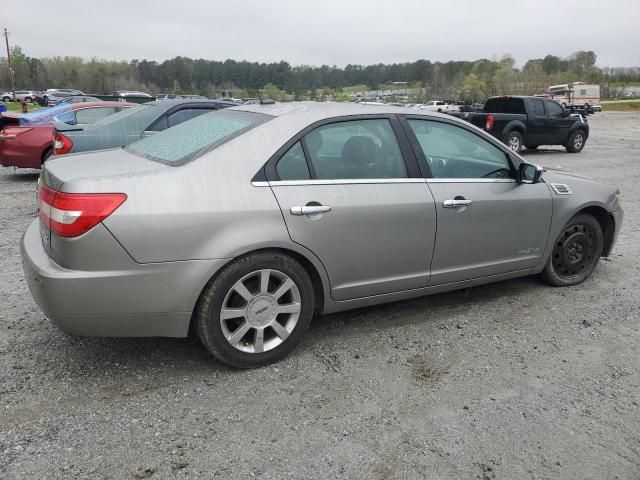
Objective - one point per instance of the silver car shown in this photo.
(26, 95)
(244, 222)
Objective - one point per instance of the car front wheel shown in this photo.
(6, 99)
(575, 253)
(256, 310)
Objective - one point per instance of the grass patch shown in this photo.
(16, 107)
(621, 107)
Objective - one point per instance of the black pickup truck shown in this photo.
(531, 122)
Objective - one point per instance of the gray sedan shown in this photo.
(243, 223)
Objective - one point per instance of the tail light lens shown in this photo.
(13, 132)
(489, 125)
(72, 214)
(61, 144)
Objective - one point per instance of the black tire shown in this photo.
(532, 147)
(209, 325)
(28, 99)
(439, 110)
(575, 253)
(576, 141)
(46, 155)
(6, 99)
(513, 140)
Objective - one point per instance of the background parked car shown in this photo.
(26, 95)
(45, 98)
(472, 107)
(127, 127)
(130, 93)
(26, 140)
(80, 99)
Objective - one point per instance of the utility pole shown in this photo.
(13, 85)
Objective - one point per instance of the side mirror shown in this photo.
(529, 173)
(566, 113)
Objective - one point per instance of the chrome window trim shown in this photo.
(344, 181)
(471, 180)
(364, 181)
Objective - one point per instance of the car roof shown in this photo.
(76, 106)
(316, 111)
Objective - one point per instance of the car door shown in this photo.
(488, 223)
(352, 194)
(559, 125)
(537, 123)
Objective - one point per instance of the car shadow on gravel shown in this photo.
(119, 358)
(426, 308)
(22, 177)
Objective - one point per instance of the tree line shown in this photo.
(468, 80)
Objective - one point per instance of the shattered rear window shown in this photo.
(191, 139)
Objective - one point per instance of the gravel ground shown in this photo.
(515, 380)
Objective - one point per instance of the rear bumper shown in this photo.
(143, 300)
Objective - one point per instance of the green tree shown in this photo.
(473, 88)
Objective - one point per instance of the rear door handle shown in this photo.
(456, 203)
(309, 209)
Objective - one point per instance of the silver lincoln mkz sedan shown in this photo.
(245, 222)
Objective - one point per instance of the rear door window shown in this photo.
(293, 165)
(357, 149)
(538, 108)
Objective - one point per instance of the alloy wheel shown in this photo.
(260, 311)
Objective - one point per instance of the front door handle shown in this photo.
(309, 209)
(456, 203)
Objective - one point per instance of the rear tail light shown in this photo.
(72, 214)
(61, 144)
(489, 125)
(13, 132)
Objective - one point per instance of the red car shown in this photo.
(26, 140)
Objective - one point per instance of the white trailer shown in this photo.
(576, 94)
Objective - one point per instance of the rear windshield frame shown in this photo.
(260, 119)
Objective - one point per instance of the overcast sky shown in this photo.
(329, 32)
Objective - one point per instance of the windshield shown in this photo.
(191, 139)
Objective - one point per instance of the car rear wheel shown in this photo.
(256, 310)
(6, 99)
(28, 99)
(575, 253)
(576, 141)
(514, 141)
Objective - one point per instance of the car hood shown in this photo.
(86, 172)
(561, 172)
